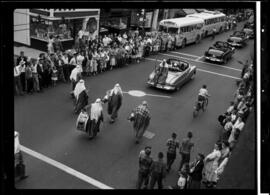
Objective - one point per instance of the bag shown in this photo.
(82, 121)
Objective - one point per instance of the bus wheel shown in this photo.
(183, 43)
(197, 39)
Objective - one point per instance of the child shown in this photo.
(54, 76)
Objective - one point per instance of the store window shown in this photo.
(42, 29)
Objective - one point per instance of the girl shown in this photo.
(54, 76)
(112, 58)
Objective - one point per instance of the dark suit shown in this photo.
(196, 174)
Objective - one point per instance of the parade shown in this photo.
(180, 110)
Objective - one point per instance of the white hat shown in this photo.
(144, 102)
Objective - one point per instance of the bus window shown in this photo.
(183, 29)
(172, 30)
(199, 26)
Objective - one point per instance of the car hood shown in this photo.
(236, 39)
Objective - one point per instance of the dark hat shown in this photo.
(148, 147)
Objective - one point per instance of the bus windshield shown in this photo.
(162, 28)
(172, 30)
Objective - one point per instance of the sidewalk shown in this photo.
(29, 52)
(240, 172)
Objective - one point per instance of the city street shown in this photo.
(46, 122)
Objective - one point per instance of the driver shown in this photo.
(203, 94)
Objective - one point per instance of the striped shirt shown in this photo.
(172, 145)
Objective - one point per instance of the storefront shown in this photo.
(62, 23)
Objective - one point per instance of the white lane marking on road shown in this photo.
(199, 58)
(65, 168)
(226, 67)
(163, 96)
(185, 54)
(148, 134)
(224, 75)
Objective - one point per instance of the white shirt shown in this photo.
(65, 59)
(16, 142)
(34, 68)
(17, 71)
(181, 182)
(203, 92)
(73, 61)
(239, 125)
(80, 59)
(80, 33)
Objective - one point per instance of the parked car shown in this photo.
(238, 39)
(249, 30)
(179, 72)
(220, 52)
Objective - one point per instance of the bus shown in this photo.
(212, 20)
(186, 30)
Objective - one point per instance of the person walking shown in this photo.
(196, 169)
(157, 172)
(145, 162)
(185, 149)
(140, 117)
(172, 144)
(214, 33)
(114, 98)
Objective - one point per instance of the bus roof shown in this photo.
(179, 22)
(206, 16)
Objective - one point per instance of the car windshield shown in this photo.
(215, 52)
(162, 28)
(238, 34)
(177, 66)
(172, 30)
(220, 44)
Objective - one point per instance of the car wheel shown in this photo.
(183, 43)
(192, 76)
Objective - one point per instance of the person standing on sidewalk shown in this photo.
(158, 172)
(145, 162)
(35, 75)
(196, 169)
(185, 149)
(29, 77)
(172, 144)
(17, 80)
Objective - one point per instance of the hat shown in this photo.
(148, 147)
(98, 100)
(144, 102)
(81, 81)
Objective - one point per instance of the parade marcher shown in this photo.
(184, 177)
(145, 162)
(19, 164)
(172, 144)
(185, 149)
(196, 169)
(140, 117)
(114, 98)
(95, 112)
(75, 76)
(211, 164)
(81, 96)
(203, 94)
(157, 172)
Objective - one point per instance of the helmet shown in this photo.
(204, 86)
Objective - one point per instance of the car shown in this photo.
(220, 52)
(249, 30)
(179, 72)
(238, 39)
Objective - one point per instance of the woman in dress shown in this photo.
(112, 58)
(94, 62)
(211, 164)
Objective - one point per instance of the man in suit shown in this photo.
(196, 169)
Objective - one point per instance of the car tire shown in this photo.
(192, 76)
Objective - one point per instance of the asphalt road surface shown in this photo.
(46, 123)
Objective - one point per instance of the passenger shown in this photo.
(162, 73)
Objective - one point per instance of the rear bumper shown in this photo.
(159, 86)
(212, 59)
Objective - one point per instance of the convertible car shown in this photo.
(249, 30)
(220, 52)
(178, 73)
(238, 39)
